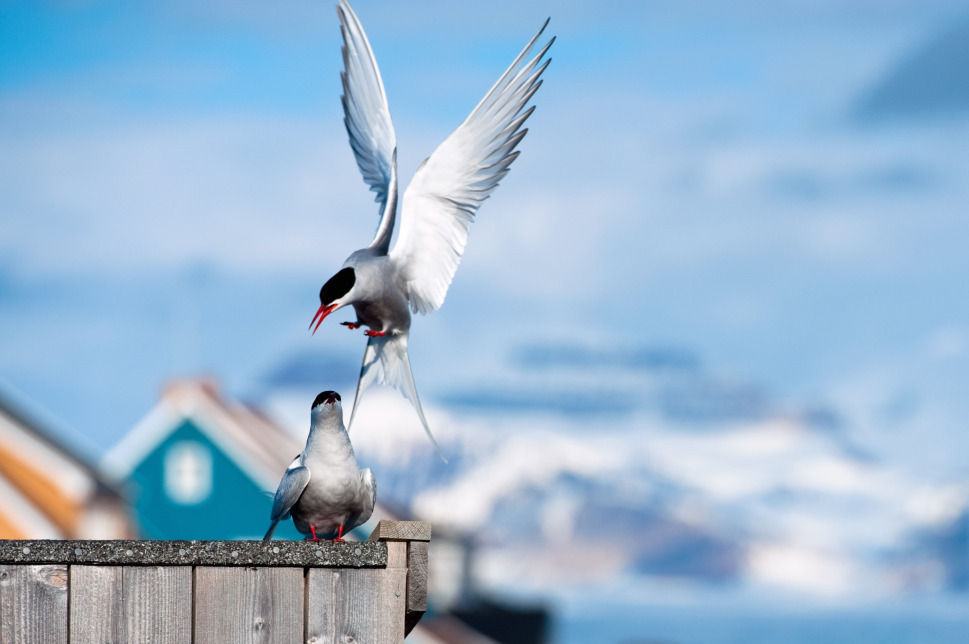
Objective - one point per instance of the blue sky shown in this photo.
(176, 184)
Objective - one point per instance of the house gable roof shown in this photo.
(260, 448)
(46, 486)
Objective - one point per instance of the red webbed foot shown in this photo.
(370, 333)
(351, 325)
(339, 536)
(313, 530)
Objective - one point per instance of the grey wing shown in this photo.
(290, 488)
(367, 500)
(287, 494)
(367, 119)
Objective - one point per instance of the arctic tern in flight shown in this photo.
(323, 489)
(384, 285)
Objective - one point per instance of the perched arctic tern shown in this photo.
(385, 284)
(323, 489)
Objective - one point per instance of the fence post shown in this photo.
(416, 535)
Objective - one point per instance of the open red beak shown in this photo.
(321, 313)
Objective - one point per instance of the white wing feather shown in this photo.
(367, 118)
(440, 202)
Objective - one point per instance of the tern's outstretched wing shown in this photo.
(451, 184)
(386, 361)
(367, 118)
(290, 488)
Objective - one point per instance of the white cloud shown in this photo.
(794, 567)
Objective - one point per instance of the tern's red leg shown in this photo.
(339, 535)
(370, 333)
(313, 530)
(351, 325)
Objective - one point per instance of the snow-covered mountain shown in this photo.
(593, 469)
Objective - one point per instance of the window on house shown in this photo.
(188, 472)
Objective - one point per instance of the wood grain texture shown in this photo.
(321, 619)
(157, 604)
(397, 554)
(249, 605)
(33, 604)
(416, 604)
(401, 531)
(417, 576)
(355, 605)
(181, 604)
(97, 604)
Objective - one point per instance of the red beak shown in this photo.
(321, 313)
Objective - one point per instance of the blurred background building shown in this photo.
(48, 490)
(201, 466)
(198, 467)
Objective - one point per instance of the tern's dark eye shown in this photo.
(323, 397)
(337, 286)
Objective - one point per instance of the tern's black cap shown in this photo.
(337, 286)
(323, 397)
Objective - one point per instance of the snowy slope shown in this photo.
(723, 487)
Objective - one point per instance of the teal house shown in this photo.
(200, 467)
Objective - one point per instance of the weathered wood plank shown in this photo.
(355, 605)
(401, 531)
(320, 618)
(97, 604)
(158, 604)
(127, 596)
(33, 604)
(397, 554)
(249, 605)
(416, 584)
(417, 575)
(195, 553)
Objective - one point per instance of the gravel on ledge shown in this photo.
(320, 554)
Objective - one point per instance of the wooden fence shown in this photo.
(208, 592)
